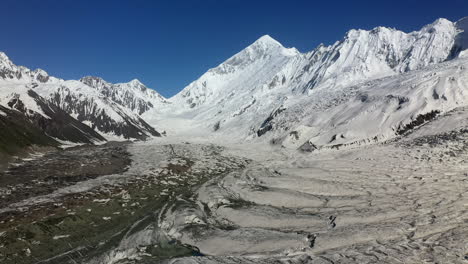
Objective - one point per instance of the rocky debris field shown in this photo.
(385, 204)
(403, 201)
(82, 204)
(171, 201)
(42, 174)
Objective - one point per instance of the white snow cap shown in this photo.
(95, 82)
(440, 25)
(268, 44)
(4, 57)
(136, 83)
(41, 72)
(267, 40)
(5, 61)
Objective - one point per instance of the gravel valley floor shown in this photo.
(171, 201)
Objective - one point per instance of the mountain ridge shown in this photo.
(266, 90)
(89, 107)
(245, 97)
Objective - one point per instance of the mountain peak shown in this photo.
(93, 81)
(267, 44)
(439, 24)
(133, 84)
(266, 41)
(89, 78)
(442, 21)
(4, 57)
(5, 61)
(136, 82)
(41, 71)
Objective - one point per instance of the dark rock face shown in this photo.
(295, 134)
(128, 100)
(307, 147)
(123, 96)
(8, 74)
(21, 127)
(264, 129)
(267, 125)
(62, 125)
(87, 110)
(125, 103)
(400, 99)
(216, 126)
(61, 168)
(419, 120)
(17, 132)
(42, 78)
(59, 125)
(20, 72)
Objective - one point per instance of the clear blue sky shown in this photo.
(168, 44)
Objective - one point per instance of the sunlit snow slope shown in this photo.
(370, 86)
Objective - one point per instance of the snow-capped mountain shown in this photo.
(34, 119)
(23, 108)
(92, 108)
(370, 86)
(377, 53)
(252, 67)
(361, 55)
(229, 89)
(133, 95)
(111, 110)
(9, 71)
(367, 87)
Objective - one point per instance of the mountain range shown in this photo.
(371, 86)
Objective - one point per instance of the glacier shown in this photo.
(365, 88)
(353, 152)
